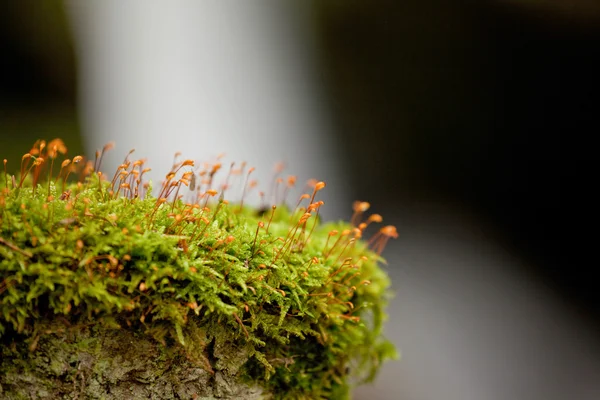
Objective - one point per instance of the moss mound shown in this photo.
(109, 292)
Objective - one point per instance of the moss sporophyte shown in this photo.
(110, 292)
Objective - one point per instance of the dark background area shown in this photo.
(486, 106)
(38, 78)
(489, 107)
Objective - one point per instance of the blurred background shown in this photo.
(464, 123)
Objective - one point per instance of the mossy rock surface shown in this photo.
(111, 364)
(107, 290)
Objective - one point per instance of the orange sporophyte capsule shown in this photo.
(360, 206)
(389, 231)
(56, 146)
(375, 218)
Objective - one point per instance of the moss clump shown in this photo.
(266, 303)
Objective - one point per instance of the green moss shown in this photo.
(276, 300)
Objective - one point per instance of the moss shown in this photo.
(108, 291)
